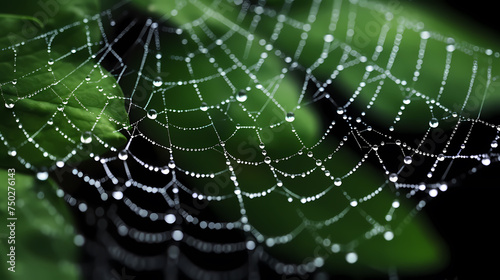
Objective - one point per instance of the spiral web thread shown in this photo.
(175, 188)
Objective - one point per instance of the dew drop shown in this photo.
(318, 162)
(393, 177)
(157, 82)
(267, 160)
(165, 170)
(486, 161)
(177, 235)
(351, 257)
(494, 143)
(171, 164)
(337, 182)
(9, 103)
(123, 155)
(241, 96)
(290, 117)
(14, 82)
(388, 235)
(86, 137)
(433, 123)
(340, 111)
(42, 176)
(152, 114)
(12, 152)
(328, 38)
(425, 35)
(170, 218)
(117, 195)
(204, 107)
(408, 160)
(440, 157)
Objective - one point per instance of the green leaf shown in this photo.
(53, 90)
(43, 234)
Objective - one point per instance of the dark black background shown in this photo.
(467, 216)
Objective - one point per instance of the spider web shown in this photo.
(209, 105)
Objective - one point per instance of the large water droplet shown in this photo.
(152, 114)
(165, 170)
(123, 155)
(157, 82)
(408, 160)
(86, 137)
(351, 257)
(117, 195)
(171, 164)
(494, 143)
(51, 61)
(393, 177)
(42, 176)
(267, 160)
(9, 103)
(486, 161)
(241, 96)
(290, 117)
(204, 106)
(337, 182)
(12, 152)
(433, 123)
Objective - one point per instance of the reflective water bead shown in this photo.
(337, 182)
(486, 161)
(86, 137)
(407, 160)
(440, 157)
(165, 170)
(117, 195)
(290, 117)
(351, 257)
(157, 82)
(123, 155)
(9, 103)
(267, 160)
(241, 96)
(51, 61)
(171, 164)
(42, 176)
(433, 123)
(393, 177)
(12, 152)
(328, 38)
(204, 106)
(494, 143)
(152, 114)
